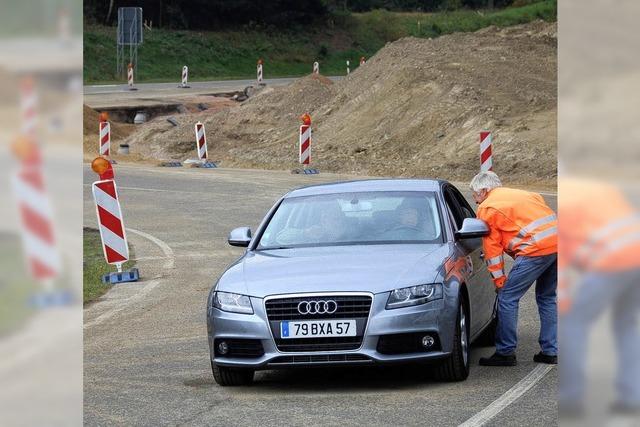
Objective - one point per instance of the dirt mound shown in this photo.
(414, 109)
(259, 132)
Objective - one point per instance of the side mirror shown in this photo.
(240, 236)
(472, 228)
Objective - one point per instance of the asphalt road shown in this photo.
(147, 94)
(146, 360)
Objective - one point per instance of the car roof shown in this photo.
(368, 185)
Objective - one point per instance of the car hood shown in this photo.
(371, 268)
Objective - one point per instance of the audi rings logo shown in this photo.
(317, 307)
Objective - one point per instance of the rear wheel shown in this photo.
(231, 376)
(456, 366)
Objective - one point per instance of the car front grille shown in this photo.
(355, 307)
(349, 307)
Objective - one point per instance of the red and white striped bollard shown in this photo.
(105, 138)
(201, 142)
(348, 71)
(28, 104)
(36, 220)
(259, 71)
(110, 222)
(486, 162)
(130, 77)
(316, 68)
(305, 141)
(185, 77)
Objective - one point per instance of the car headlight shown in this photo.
(234, 303)
(414, 295)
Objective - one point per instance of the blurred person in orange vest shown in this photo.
(525, 228)
(599, 268)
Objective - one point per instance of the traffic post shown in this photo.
(201, 148)
(316, 68)
(362, 60)
(130, 77)
(111, 225)
(348, 71)
(304, 144)
(259, 71)
(36, 225)
(486, 162)
(105, 135)
(185, 78)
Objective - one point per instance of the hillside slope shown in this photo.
(415, 109)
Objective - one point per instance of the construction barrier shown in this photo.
(36, 219)
(34, 207)
(201, 141)
(28, 102)
(305, 146)
(112, 231)
(316, 68)
(348, 71)
(105, 138)
(130, 77)
(185, 78)
(486, 163)
(259, 71)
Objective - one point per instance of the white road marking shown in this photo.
(510, 396)
(169, 263)
(109, 314)
(168, 252)
(156, 190)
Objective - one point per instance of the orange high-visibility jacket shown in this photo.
(599, 232)
(520, 224)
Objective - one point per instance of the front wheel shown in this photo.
(231, 376)
(456, 366)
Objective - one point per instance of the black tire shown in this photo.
(456, 366)
(488, 337)
(230, 376)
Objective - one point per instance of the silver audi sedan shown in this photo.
(354, 273)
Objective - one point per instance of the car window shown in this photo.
(465, 209)
(354, 218)
(454, 208)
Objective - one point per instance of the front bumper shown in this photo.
(434, 317)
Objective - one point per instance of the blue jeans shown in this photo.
(597, 292)
(528, 269)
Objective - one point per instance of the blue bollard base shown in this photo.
(126, 276)
(51, 299)
(207, 165)
(171, 164)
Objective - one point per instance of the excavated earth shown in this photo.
(415, 109)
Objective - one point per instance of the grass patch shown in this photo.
(15, 285)
(95, 266)
(233, 54)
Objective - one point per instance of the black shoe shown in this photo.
(499, 360)
(622, 408)
(545, 358)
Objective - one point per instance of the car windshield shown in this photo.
(352, 219)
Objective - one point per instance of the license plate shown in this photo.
(318, 329)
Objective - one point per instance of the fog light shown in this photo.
(427, 341)
(223, 348)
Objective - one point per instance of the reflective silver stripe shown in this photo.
(609, 229)
(544, 234)
(497, 274)
(495, 260)
(617, 245)
(528, 228)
